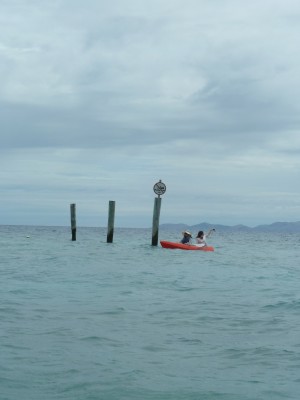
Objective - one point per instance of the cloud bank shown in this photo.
(99, 101)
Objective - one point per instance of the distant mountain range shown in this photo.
(280, 227)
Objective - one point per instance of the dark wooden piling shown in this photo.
(155, 224)
(73, 220)
(111, 221)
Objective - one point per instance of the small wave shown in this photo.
(117, 311)
(190, 341)
(91, 338)
(10, 310)
(15, 347)
(284, 305)
(101, 339)
(153, 348)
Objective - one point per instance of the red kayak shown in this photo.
(174, 245)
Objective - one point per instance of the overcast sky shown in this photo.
(100, 100)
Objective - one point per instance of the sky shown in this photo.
(100, 100)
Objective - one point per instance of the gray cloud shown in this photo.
(194, 91)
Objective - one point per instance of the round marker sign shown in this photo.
(159, 188)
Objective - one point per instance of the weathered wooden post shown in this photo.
(73, 220)
(111, 221)
(159, 189)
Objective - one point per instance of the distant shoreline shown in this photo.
(276, 227)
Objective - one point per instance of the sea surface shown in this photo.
(89, 320)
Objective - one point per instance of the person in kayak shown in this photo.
(187, 236)
(201, 237)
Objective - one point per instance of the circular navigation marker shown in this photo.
(159, 188)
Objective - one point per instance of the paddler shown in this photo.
(187, 236)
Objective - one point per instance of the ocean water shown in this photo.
(90, 320)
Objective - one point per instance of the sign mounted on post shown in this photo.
(159, 188)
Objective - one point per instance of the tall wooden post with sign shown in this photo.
(159, 189)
